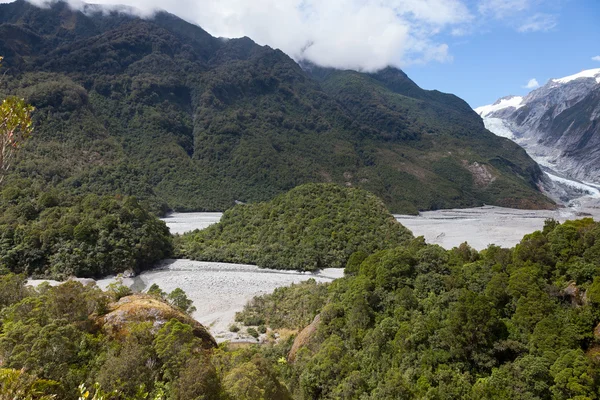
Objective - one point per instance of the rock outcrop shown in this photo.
(304, 337)
(144, 308)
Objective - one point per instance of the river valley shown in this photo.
(219, 290)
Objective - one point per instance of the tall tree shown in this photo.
(15, 127)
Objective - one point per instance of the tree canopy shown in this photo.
(311, 227)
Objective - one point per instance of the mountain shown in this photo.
(160, 109)
(558, 124)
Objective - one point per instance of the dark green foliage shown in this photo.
(418, 321)
(161, 110)
(311, 227)
(53, 334)
(46, 232)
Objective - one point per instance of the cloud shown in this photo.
(503, 8)
(522, 15)
(597, 58)
(532, 84)
(538, 23)
(357, 34)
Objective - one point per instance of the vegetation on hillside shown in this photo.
(311, 227)
(53, 345)
(420, 322)
(46, 232)
(410, 321)
(161, 110)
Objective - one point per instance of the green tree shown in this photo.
(175, 342)
(155, 290)
(17, 384)
(178, 298)
(574, 376)
(198, 380)
(15, 127)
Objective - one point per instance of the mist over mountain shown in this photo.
(160, 109)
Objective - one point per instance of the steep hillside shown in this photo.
(419, 322)
(558, 123)
(160, 109)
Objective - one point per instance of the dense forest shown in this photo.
(45, 232)
(76, 342)
(311, 227)
(417, 321)
(161, 110)
(410, 321)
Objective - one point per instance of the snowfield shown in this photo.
(590, 73)
(512, 101)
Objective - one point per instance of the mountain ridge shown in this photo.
(557, 123)
(160, 109)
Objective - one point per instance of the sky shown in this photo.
(480, 50)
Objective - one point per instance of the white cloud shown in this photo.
(538, 23)
(597, 58)
(357, 34)
(532, 84)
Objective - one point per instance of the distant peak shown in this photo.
(590, 73)
(506, 99)
(505, 102)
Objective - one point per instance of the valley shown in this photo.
(218, 290)
(479, 226)
(557, 125)
(187, 216)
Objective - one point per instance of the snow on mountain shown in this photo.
(503, 103)
(558, 124)
(590, 73)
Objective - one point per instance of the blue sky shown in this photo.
(479, 50)
(497, 59)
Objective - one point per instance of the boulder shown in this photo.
(573, 293)
(304, 337)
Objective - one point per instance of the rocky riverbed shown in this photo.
(479, 226)
(219, 290)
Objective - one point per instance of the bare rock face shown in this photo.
(482, 176)
(574, 294)
(304, 337)
(146, 308)
(559, 123)
(597, 332)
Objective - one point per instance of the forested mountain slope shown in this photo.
(160, 109)
(420, 322)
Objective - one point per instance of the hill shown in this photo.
(160, 109)
(75, 342)
(311, 227)
(420, 322)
